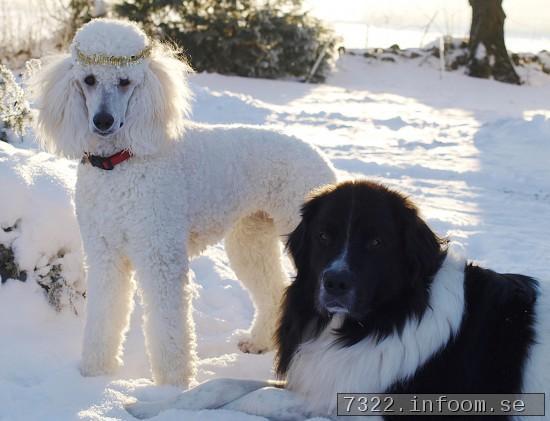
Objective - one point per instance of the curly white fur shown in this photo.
(159, 100)
(186, 186)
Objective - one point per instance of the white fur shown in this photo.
(338, 264)
(320, 369)
(122, 39)
(341, 262)
(252, 397)
(153, 108)
(181, 191)
(209, 395)
(536, 374)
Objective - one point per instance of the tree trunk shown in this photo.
(488, 55)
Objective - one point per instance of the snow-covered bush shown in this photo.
(540, 61)
(530, 66)
(39, 235)
(14, 109)
(274, 40)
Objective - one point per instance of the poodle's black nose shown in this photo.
(103, 121)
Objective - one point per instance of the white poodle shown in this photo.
(153, 190)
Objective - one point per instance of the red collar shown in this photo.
(106, 162)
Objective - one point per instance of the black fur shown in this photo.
(487, 354)
(489, 351)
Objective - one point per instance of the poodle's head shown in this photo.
(115, 90)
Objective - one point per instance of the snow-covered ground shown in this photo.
(473, 154)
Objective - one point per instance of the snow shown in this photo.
(37, 219)
(473, 154)
(481, 52)
(374, 23)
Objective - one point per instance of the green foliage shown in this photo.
(14, 109)
(239, 37)
(79, 13)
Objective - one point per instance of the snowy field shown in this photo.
(473, 154)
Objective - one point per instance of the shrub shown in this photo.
(14, 109)
(8, 266)
(275, 40)
(79, 12)
(40, 241)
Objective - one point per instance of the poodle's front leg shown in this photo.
(162, 275)
(109, 303)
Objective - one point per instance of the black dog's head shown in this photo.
(360, 249)
(365, 246)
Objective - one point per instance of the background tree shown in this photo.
(487, 51)
(240, 37)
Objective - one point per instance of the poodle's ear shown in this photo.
(61, 123)
(423, 247)
(159, 105)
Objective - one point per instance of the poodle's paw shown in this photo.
(143, 410)
(93, 367)
(253, 344)
(249, 347)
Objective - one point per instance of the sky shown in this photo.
(375, 23)
(409, 23)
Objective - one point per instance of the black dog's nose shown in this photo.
(103, 121)
(337, 282)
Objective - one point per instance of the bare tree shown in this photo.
(487, 50)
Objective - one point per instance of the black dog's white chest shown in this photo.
(321, 368)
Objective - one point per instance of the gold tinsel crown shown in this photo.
(91, 59)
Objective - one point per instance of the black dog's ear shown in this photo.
(294, 311)
(297, 307)
(297, 241)
(297, 244)
(290, 327)
(423, 247)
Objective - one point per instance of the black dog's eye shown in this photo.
(324, 238)
(89, 80)
(374, 243)
(124, 82)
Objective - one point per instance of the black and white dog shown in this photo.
(380, 304)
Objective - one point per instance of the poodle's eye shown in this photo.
(89, 80)
(324, 238)
(374, 243)
(124, 82)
